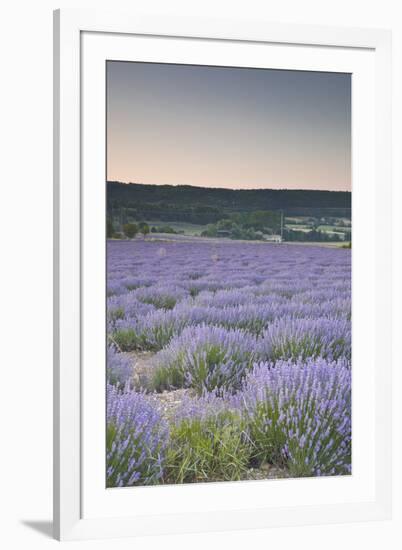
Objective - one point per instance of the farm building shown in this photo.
(273, 238)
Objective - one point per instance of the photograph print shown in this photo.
(228, 239)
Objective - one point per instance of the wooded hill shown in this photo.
(206, 205)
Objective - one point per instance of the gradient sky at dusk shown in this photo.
(228, 127)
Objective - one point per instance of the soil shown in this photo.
(143, 365)
(170, 401)
(266, 471)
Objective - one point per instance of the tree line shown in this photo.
(130, 230)
(201, 205)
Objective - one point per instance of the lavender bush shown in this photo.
(136, 438)
(292, 338)
(205, 358)
(299, 415)
(118, 367)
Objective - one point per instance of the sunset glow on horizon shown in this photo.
(231, 128)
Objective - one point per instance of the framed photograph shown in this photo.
(222, 275)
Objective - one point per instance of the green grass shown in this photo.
(165, 378)
(187, 228)
(297, 227)
(212, 449)
(127, 340)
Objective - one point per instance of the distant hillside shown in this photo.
(205, 205)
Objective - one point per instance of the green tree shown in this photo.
(225, 224)
(130, 230)
(237, 231)
(144, 228)
(210, 231)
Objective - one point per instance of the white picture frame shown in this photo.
(83, 508)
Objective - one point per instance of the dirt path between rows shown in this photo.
(143, 365)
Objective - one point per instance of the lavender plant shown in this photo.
(299, 415)
(161, 296)
(118, 367)
(205, 358)
(292, 338)
(136, 439)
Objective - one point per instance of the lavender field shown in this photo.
(227, 361)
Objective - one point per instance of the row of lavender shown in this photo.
(259, 333)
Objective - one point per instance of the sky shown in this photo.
(237, 128)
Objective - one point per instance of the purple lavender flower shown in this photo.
(119, 367)
(300, 414)
(292, 338)
(207, 358)
(136, 439)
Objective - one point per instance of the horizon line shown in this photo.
(227, 188)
